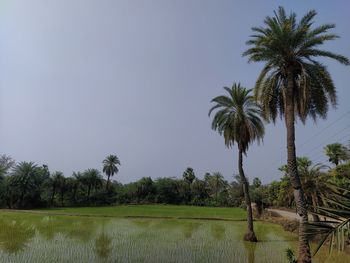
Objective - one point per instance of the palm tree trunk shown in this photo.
(304, 248)
(53, 195)
(250, 235)
(62, 195)
(21, 200)
(89, 189)
(107, 184)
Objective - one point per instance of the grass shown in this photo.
(159, 211)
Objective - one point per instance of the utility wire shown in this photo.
(313, 156)
(321, 131)
(311, 138)
(318, 146)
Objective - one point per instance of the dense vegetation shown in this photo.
(27, 185)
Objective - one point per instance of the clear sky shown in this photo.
(81, 79)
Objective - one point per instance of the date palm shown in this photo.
(238, 119)
(23, 178)
(293, 84)
(110, 166)
(57, 180)
(91, 178)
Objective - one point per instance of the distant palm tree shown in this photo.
(336, 153)
(23, 179)
(189, 175)
(91, 178)
(215, 184)
(238, 120)
(110, 167)
(56, 184)
(293, 83)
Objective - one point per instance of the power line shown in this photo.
(315, 148)
(321, 131)
(338, 141)
(329, 139)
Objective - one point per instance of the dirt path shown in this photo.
(287, 214)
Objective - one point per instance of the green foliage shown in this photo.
(291, 256)
(24, 185)
(110, 166)
(256, 182)
(290, 48)
(336, 226)
(167, 191)
(237, 117)
(336, 153)
(341, 171)
(189, 175)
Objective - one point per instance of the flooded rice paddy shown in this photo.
(42, 238)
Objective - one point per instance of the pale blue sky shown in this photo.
(81, 79)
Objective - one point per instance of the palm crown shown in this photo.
(291, 47)
(110, 165)
(238, 117)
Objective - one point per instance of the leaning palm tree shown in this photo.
(238, 119)
(110, 167)
(293, 84)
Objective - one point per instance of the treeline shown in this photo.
(27, 185)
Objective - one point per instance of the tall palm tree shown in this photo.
(238, 120)
(336, 153)
(110, 167)
(294, 84)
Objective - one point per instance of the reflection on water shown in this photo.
(36, 238)
(218, 231)
(250, 248)
(14, 235)
(189, 228)
(103, 245)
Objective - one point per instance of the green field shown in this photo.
(107, 234)
(161, 211)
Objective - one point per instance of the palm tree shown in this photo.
(336, 153)
(23, 179)
(292, 83)
(215, 184)
(237, 119)
(92, 179)
(189, 175)
(314, 182)
(110, 167)
(56, 182)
